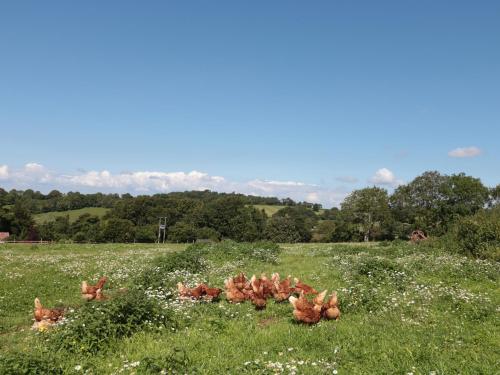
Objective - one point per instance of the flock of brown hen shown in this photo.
(44, 317)
(238, 289)
(259, 290)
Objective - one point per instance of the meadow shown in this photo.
(73, 215)
(406, 309)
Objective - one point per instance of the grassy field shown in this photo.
(405, 310)
(270, 210)
(73, 214)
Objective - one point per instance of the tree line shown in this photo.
(431, 202)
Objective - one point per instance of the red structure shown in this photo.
(4, 236)
(417, 236)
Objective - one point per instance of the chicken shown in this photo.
(258, 299)
(233, 294)
(258, 296)
(306, 311)
(89, 291)
(191, 293)
(51, 315)
(301, 287)
(240, 281)
(281, 290)
(99, 296)
(330, 309)
(267, 286)
(211, 294)
(184, 292)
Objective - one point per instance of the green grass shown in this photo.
(270, 210)
(405, 309)
(73, 214)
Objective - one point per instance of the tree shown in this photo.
(494, 196)
(369, 208)
(304, 220)
(324, 231)
(118, 230)
(282, 229)
(182, 232)
(432, 201)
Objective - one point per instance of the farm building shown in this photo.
(4, 236)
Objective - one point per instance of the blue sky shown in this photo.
(292, 98)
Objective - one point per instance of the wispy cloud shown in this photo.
(385, 177)
(465, 152)
(37, 176)
(4, 172)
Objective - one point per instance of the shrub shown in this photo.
(478, 235)
(28, 364)
(176, 362)
(94, 326)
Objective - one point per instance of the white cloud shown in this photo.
(4, 172)
(386, 177)
(36, 176)
(144, 181)
(465, 152)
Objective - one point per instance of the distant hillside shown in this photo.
(73, 214)
(270, 210)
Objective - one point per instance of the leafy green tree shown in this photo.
(282, 229)
(146, 233)
(494, 196)
(432, 201)
(324, 231)
(369, 209)
(304, 220)
(182, 232)
(118, 230)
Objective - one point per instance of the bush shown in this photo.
(94, 326)
(478, 235)
(28, 364)
(177, 362)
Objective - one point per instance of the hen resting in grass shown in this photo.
(89, 292)
(211, 294)
(240, 281)
(259, 296)
(281, 290)
(190, 293)
(51, 315)
(301, 287)
(330, 309)
(233, 294)
(306, 311)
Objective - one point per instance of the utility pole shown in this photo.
(162, 228)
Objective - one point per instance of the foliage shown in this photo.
(93, 327)
(391, 297)
(282, 229)
(28, 364)
(478, 235)
(369, 208)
